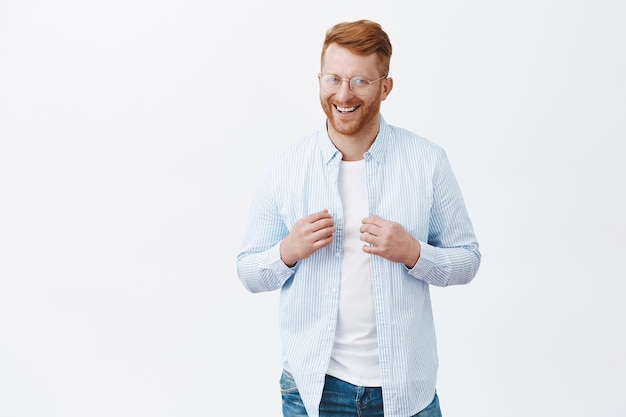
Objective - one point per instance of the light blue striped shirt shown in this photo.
(409, 181)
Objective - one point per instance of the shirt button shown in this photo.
(337, 254)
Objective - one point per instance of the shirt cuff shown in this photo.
(277, 265)
(426, 262)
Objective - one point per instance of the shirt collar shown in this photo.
(377, 151)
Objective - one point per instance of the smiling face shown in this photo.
(350, 115)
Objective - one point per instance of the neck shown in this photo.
(352, 147)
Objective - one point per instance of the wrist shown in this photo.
(289, 261)
(414, 255)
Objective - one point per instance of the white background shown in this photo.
(132, 134)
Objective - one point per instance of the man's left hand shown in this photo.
(389, 240)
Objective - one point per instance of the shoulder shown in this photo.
(402, 141)
(294, 158)
(305, 144)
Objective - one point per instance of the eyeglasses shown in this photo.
(358, 85)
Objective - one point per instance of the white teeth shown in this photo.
(346, 109)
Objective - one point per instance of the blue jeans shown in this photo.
(342, 399)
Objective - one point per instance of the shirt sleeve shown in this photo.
(259, 265)
(451, 256)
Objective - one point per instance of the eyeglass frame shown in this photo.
(349, 80)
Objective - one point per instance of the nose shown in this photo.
(344, 89)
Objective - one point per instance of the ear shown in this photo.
(387, 87)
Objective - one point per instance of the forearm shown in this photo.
(262, 271)
(451, 255)
(447, 266)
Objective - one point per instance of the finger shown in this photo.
(322, 224)
(369, 249)
(320, 243)
(371, 229)
(323, 233)
(369, 238)
(313, 217)
(374, 220)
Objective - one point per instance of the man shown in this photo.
(352, 224)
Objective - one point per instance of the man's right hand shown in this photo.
(308, 234)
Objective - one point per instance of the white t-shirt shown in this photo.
(355, 352)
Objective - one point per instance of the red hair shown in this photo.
(362, 37)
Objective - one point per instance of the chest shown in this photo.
(397, 192)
